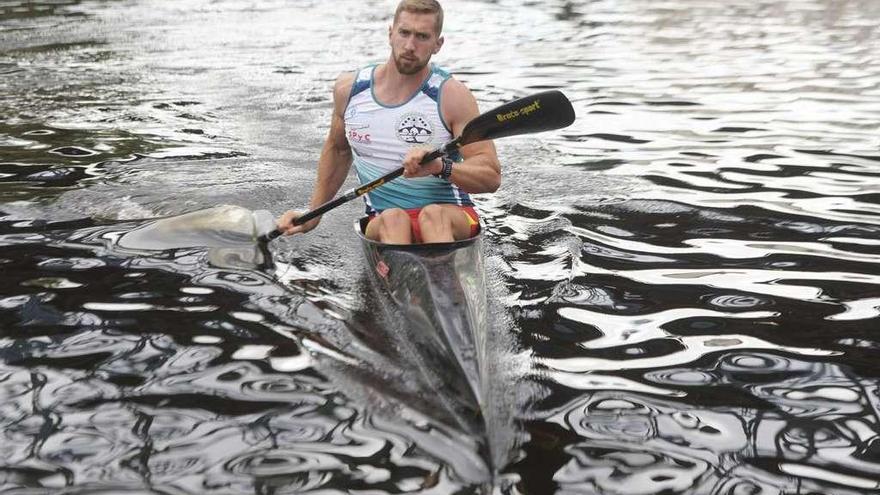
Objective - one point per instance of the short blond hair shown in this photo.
(422, 7)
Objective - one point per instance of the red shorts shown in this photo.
(473, 220)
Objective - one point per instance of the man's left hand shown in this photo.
(412, 168)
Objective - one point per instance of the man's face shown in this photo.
(413, 41)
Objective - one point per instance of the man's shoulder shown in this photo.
(457, 103)
(345, 79)
(343, 85)
(361, 76)
(455, 89)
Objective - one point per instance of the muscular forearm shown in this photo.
(477, 174)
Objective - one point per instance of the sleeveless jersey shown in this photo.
(380, 136)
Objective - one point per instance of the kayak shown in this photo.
(434, 295)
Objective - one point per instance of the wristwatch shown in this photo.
(446, 171)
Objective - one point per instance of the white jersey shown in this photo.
(380, 136)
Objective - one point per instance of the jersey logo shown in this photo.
(414, 128)
(356, 131)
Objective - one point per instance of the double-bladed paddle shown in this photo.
(543, 111)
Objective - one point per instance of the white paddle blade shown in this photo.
(221, 226)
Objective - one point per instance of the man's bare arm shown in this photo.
(334, 162)
(480, 172)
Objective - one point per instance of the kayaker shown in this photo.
(393, 114)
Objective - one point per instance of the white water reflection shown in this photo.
(766, 282)
(692, 349)
(862, 309)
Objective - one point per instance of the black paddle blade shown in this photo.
(536, 113)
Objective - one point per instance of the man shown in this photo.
(392, 115)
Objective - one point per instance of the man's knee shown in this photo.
(395, 219)
(432, 216)
(394, 227)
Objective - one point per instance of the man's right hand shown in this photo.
(286, 226)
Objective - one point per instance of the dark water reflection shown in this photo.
(685, 284)
(121, 373)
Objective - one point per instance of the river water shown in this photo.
(685, 285)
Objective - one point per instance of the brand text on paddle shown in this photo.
(532, 107)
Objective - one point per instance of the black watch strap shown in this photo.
(446, 171)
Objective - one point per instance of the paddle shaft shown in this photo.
(543, 111)
(364, 189)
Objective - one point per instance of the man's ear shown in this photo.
(440, 41)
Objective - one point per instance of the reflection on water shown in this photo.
(683, 284)
(181, 356)
(763, 422)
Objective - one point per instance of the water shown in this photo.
(685, 282)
